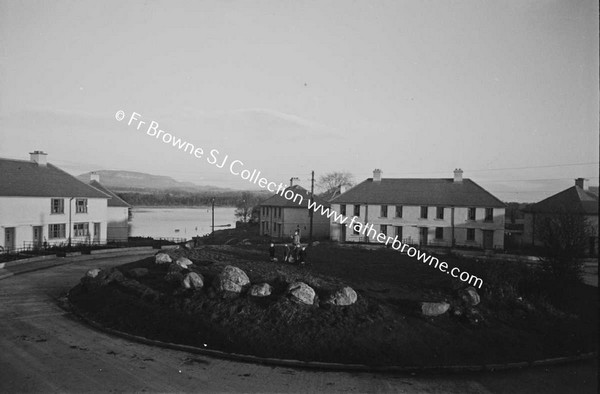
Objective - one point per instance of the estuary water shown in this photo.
(178, 222)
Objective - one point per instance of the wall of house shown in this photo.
(118, 224)
(412, 225)
(283, 226)
(23, 213)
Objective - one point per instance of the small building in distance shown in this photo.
(576, 200)
(439, 212)
(117, 228)
(280, 217)
(41, 204)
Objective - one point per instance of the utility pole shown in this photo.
(213, 217)
(310, 211)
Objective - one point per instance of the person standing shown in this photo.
(272, 252)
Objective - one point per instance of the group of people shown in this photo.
(296, 253)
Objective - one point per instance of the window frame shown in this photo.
(383, 229)
(439, 213)
(439, 230)
(399, 209)
(84, 231)
(61, 230)
(61, 210)
(470, 231)
(489, 215)
(84, 206)
(357, 210)
(472, 210)
(343, 209)
(424, 208)
(383, 211)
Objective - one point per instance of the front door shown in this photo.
(9, 238)
(96, 232)
(424, 232)
(343, 235)
(488, 239)
(37, 237)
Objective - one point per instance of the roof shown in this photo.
(419, 191)
(277, 200)
(19, 178)
(571, 200)
(114, 201)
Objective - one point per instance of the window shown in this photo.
(56, 231)
(81, 205)
(81, 229)
(57, 205)
(439, 213)
(357, 210)
(439, 233)
(423, 212)
(383, 211)
(489, 214)
(343, 209)
(354, 230)
(383, 229)
(399, 232)
(470, 234)
(471, 214)
(398, 211)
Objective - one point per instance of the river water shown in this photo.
(178, 222)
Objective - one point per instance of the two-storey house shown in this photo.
(42, 205)
(443, 212)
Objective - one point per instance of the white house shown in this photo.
(41, 204)
(117, 228)
(441, 212)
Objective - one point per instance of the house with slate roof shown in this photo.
(441, 212)
(280, 217)
(40, 204)
(117, 227)
(576, 200)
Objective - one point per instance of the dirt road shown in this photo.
(45, 349)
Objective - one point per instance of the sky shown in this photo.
(506, 90)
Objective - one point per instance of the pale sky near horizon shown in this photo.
(506, 90)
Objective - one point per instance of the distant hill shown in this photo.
(128, 181)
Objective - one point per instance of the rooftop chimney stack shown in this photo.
(342, 189)
(458, 175)
(39, 157)
(580, 182)
(377, 175)
(95, 177)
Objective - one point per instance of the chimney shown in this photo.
(580, 182)
(39, 157)
(458, 175)
(95, 177)
(377, 175)
(342, 189)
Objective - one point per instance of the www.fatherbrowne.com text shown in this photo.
(237, 168)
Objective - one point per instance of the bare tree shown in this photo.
(244, 207)
(565, 237)
(333, 180)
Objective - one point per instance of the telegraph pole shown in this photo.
(213, 216)
(310, 211)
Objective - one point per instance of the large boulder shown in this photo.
(183, 262)
(93, 273)
(192, 280)
(302, 293)
(232, 279)
(434, 308)
(261, 290)
(470, 296)
(96, 278)
(342, 297)
(162, 258)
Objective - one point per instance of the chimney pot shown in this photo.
(377, 175)
(580, 182)
(39, 157)
(458, 175)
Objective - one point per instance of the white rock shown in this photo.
(183, 262)
(232, 279)
(261, 290)
(193, 280)
(162, 258)
(343, 297)
(301, 292)
(434, 308)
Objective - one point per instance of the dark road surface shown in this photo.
(44, 349)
